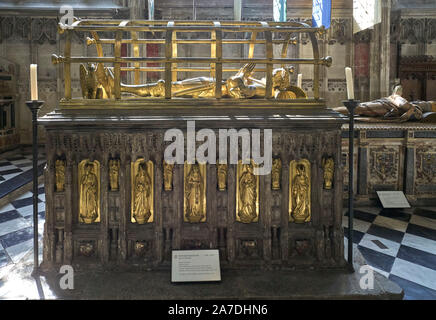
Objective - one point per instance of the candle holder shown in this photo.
(351, 105)
(34, 106)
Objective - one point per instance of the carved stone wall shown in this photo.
(393, 157)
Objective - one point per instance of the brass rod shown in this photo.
(269, 66)
(191, 22)
(192, 41)
(136, 55)
(252, 43)
(182, 69)
(218, 65)
(213, 53)
(174, 55)
(195, 29)
(191, 60)
(67, 65)
(168, 55)
(117, 65)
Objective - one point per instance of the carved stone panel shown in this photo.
(383, 166)
(425, 181)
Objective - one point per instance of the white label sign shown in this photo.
(393, 199)
(195, 265)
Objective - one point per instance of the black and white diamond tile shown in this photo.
(399, 244)
(16, 227)
(14, 165)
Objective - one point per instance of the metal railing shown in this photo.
(169, 30)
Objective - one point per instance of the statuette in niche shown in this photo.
(299, 191)
(168, 175)
(276, 173)
(195, 193)
(142, 192)
(89, 191)
(60, 175)
(114, 172)
(222, 176)
(247, 194)
(328, 165)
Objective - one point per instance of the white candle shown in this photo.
(33, 82)
(350, 84)
(299, 80)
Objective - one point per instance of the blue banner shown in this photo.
(321, 13)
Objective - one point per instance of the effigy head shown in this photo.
(159, 89)
(281, 78)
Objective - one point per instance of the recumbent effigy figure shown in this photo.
(97, 82)
(394, 109)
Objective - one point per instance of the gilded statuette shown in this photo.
(247, 194)
(299, 191)
(276, 173)
(328, 166)
(60, 175)
(168, 175)
(142, 191)
(222, 176)
(114, 172)
(89, 191)
(195, 193)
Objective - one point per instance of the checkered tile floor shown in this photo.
(16, 227)
(13, 165)
(400, 244)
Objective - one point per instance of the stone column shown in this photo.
(385, 46)
(380, 54)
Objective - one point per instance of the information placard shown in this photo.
(195, 265)
(393, 199)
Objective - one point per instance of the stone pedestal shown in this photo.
(129, 130)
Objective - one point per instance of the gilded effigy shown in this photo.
(89, 191)
(194, 193)
(247, 193)
(299, 191)
(142, 191)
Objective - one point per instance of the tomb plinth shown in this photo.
(115, 199)
(311, 133)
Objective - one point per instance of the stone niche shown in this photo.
(106, 144)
